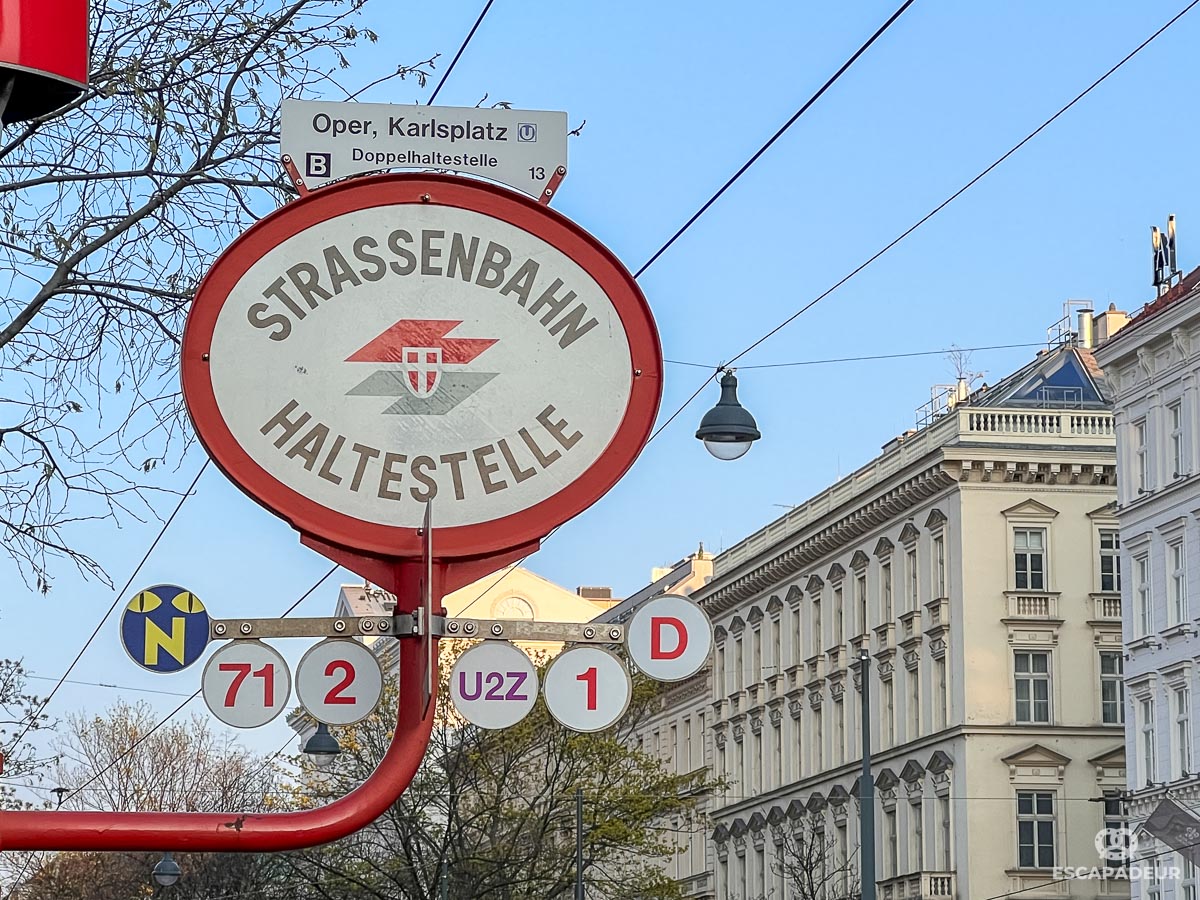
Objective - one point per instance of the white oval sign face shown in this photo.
(587, 689)
(359, 353)
(246, 684)
(339, 681)
(493, 685)
(669, 638)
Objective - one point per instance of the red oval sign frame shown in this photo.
(480, 539)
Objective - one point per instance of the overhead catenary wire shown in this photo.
(829, 82)
(467, 40)
(118, 597)
(163, 721)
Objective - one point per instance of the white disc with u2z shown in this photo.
(587, 689)
(493, 685)
(339, 681)
(246, 684)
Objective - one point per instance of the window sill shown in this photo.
(1144, 643)
(1183, 628)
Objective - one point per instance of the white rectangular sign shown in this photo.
(518, 147)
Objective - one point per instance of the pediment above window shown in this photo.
(1030, 509)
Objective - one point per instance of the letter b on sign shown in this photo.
(669, 638)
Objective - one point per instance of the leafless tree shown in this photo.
(112, 208)
(810, 864)
(181, 766)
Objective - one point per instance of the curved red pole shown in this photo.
(245, 832)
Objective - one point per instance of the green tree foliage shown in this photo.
(491, 814)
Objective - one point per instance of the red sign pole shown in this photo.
(244, 832)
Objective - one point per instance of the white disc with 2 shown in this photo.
(339, 681)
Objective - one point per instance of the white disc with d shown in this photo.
(669, 638)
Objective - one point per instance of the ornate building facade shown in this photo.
(974, 561)
(1154, 364)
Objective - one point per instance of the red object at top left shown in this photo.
(44, 49)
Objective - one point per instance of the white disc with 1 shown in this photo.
(587, 689)
(339, 682)
(246, 684)
(493, 685)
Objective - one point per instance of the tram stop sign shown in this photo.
(395, 339)
(669, 638)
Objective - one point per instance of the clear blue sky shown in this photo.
(676, 97)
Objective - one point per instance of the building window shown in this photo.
(1114, 821)
(839, 615)
(943, 834)
(910, 579)
(737, 664)
(839, 731)
(1181, 749)
(887, 708)
(939, 565)
(797, 646)
(719, 673)
(1141, 457)
(756, 761)
(940, 694)
(818, 742)
(1175, 417)
(1035, 829)
(913, 703)
(841, 858)
(1188, 882)
(916, 844)
(887, 610)
(1030, 558)
(1148, 746)
(756, 660)
(817, 636)
(1177, 602)
(777, 750)
(1143, 614)
(1112, 687)
(1032, 686)
(860, 597)
(890, 862)
(1110, 560)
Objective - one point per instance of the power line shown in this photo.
(846, 359)
(120, 595)
(454, 62)
(116, 687)
(120, 756)
(705, 207)
(937, 209)
(776, 136)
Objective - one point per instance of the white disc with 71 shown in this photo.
(246, 684)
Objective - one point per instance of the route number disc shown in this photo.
(669, 638)
(339, 681)
(587, 689)
(246, 684)
(493, 685)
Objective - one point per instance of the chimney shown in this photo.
(1085, 338)
(1109, 323)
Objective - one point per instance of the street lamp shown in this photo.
(167, 871)
(322, 747)
(727, 429)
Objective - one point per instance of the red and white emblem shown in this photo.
(423, 370)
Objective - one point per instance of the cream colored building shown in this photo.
(676, 731)
(969, 560)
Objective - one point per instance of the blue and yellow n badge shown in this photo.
(164, 628)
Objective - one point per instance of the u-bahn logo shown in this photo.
(164, 628)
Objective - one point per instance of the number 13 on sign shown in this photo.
(587, 689)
